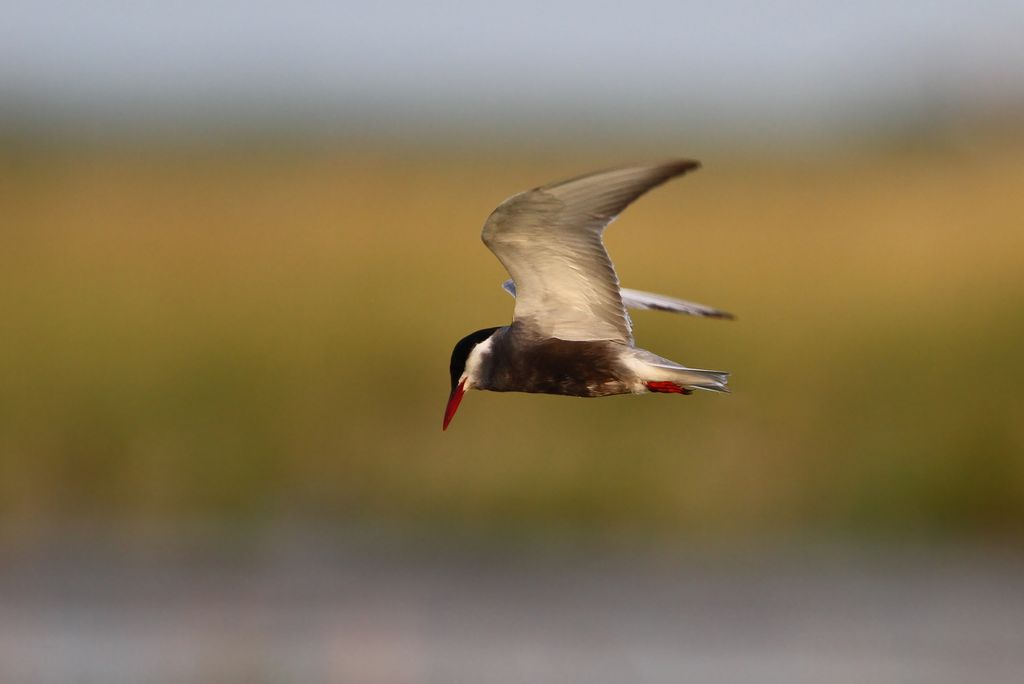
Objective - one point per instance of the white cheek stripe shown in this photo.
(474, 360)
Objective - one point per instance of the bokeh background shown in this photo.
(238, 242)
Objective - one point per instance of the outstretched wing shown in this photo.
(637, 299)
(549, 240)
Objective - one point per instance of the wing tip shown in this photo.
(686, 164)
(722, 315)
(670, 168)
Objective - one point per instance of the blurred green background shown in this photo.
(238, 247)
(248, 336)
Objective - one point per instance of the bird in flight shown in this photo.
(570, 331)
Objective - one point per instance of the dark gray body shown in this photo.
(519, 361)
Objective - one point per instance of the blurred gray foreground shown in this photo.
(328, 610)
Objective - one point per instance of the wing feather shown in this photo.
(549, 240)
(640, 300)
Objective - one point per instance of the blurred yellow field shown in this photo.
(264, 337)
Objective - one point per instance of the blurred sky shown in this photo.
(401, 66)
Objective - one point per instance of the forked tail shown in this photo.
(689, 379)
(658, 374)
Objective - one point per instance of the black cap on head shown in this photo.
(462, 351)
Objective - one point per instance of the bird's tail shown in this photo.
(662, 375)
(714, 381)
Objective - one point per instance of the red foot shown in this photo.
(667, 388)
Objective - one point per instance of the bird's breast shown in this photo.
(553, 366)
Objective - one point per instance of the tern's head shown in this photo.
(465, 365)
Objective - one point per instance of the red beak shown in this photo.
(453, 403)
